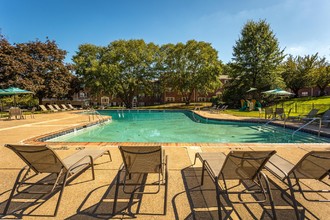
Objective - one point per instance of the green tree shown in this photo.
(321, 75)
(88, 69)
(123, 68)
(256, 58)
(130, 68)
(298, 72)
(190, 67)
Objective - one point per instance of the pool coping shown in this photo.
(43, 138)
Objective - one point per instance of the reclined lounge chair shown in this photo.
(138, 160)
(42, 159)
(237, 165)
(313, 165)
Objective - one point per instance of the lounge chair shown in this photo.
(310, 116)
(65, 108)
(142, 161)
(43, 108)
(269, 114)
(313, 165)
(237, 165)
(58, 108)
(325, 119)
(279, 112)
(41, 159)
(71, 107)
(52, 108)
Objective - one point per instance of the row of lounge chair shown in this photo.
(56, 108)
(312, 115)
(137, 160)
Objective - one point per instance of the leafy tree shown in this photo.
(297, 72)
(321, 75)
(256, 58)
(130, 68)
(123, 68)
(9, 64)
(190, 67)
(87, 66)
(36, 66)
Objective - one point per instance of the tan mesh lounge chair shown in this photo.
(71, 107)
(41, 159)
(58, 108)
(269, 114)
(325, 119)
(311, 115)
(313, 165)
(43, 108)
(142, 161)
(279, 112)
(52, 108)
(237, 165)
(65, 108)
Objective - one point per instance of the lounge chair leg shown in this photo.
(61, 193)
(294, 201)
(109, 155)
(269, 195)
(166, 186)
(216, 182)
(203, 171)
(116, 193)
(13, 191)
(92, 165)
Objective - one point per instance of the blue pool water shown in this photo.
(182, 126)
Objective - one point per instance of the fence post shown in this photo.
(312, 105)
(295, 106)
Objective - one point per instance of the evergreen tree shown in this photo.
(256, 58)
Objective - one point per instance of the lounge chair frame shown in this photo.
(63, 172)
(127, 170)
(256, 178)
(286, 177)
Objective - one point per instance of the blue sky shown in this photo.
(301, 26)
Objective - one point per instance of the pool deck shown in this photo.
(84, 198)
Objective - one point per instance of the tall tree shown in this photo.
(9, 64)
(36, 66)
(123, 68)
(256, 58)
(298, 72)
(321, 75)
(130, 68)
(190, 67)
(87, 66)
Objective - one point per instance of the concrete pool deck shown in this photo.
(87, 199)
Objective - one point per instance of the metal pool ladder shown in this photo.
(309, 122)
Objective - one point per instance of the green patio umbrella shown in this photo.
(14, 91)
(277, 92)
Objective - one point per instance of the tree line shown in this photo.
(126, 68)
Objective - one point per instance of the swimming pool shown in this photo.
(182, 126)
